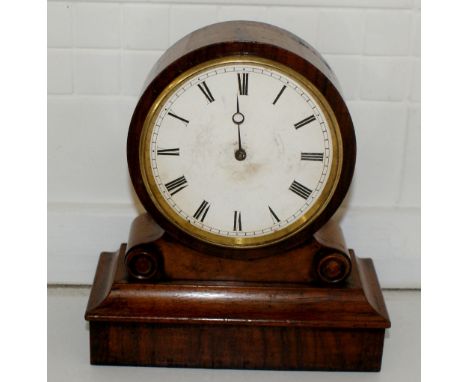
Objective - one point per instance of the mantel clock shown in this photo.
(241, 149)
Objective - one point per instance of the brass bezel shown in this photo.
(241, 242)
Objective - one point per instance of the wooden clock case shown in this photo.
(307, 303)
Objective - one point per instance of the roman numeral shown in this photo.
(202, 211)
(237, 221)
(279, 94)
(304, 122)
(177, 117)
(312, 156)
(300, 190)
(176, 185)
(168, 152)
(273, 215)
(243, 83)
(204, 89)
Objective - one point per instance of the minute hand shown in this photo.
(238, 119)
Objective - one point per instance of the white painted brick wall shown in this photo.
(60, 71)
(97, 72)
(145, 26)
(341, 31)
(380, 132)
(303, 23)
(59, 25)
(254, 13)
(385, 78)
(387, 33)
(348, 71)
(410, 191)
(96, 25)
(135, 68)
(99, 53)
(187, 18)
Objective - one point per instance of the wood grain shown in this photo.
(305, 303)
(236, 325)
(242, 38)
(322, 259)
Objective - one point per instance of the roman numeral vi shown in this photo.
(237, 221)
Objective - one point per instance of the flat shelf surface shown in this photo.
(68, 349)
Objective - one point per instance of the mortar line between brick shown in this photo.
(132, 50)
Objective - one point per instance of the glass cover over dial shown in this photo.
(240, 152)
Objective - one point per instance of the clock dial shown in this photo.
(240, 153)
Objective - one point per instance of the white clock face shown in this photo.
(240, 150)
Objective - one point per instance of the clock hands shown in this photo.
(238, 119)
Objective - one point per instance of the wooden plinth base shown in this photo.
(236, 325)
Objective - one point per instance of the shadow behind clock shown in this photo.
(313, 305)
